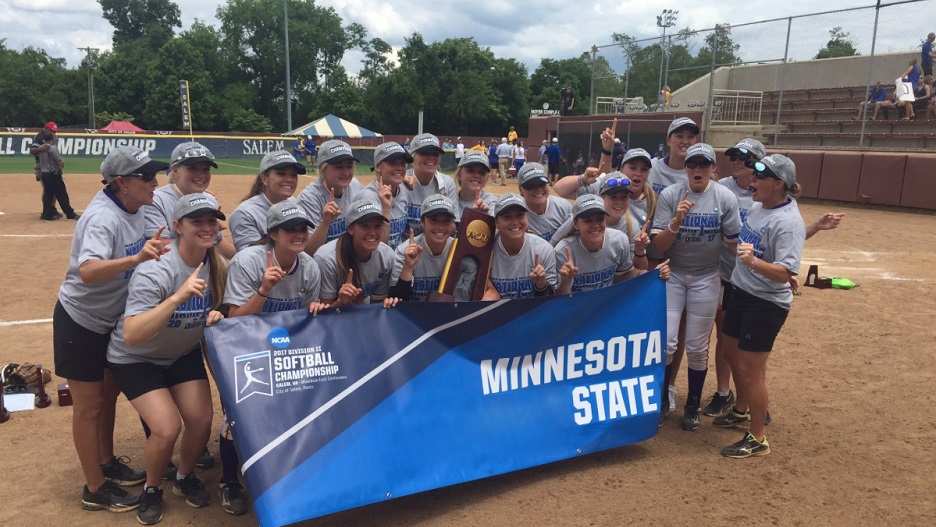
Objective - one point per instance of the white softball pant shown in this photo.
(698, 295)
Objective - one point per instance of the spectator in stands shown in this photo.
(912, 77)
(922, 93)
(887, 103)
(875, 95)
(567, 100)
(927, 55)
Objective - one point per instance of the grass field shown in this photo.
(92, 165)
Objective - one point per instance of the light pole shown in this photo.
(666, 19)
(288, 96)
(591, 97)
(90, 60)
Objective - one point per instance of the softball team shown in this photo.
(691, 221)
(769, 253)
(276, 182)
(435, 241)
(155, 353)
(108, 244)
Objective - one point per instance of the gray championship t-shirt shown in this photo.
(314, 197)
(160, 212)
(662, 176)
(427, 275)
(557, 212)
(375, 273)
(489, 199)
(596, 270)
(729, 255)
(714, 216)
(621, 225)
(398, 208)
(153, 283)
(298, 288)
(440, 184)
(511, 274)
(248, 222)
(778, 236)
(106, 231)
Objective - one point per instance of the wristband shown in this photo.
(640, 255)
(670, 228)
(261, 294)
(582, 180)
(605, 152)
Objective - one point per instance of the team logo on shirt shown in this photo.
(253, 374)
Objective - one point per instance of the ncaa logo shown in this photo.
(253, 374)
(279, 338)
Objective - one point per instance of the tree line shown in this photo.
(236, 74)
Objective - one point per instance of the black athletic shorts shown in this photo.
(80, 354)
(139, 378)
(554, 168)
(755, 322)
(726, 294)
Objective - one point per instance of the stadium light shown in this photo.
(664, 20)
(288, 97)
(88, 50)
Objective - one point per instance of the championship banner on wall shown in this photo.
(363, 404)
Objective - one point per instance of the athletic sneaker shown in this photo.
(732, 418)
(109, 497)
(205, 460)
(150, 511)
(117, 471)
(719, 404)
(690, 419)
(193, 490)
(767, 418)
(232, 498)
(664, 413)
(747, 447)
(170, 473)
(672, 397)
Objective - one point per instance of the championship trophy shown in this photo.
(469, 261)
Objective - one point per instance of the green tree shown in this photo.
(131, 18)
(36, 88)
(253, 32)
(551, 76)
(839, 45)
(103, 118)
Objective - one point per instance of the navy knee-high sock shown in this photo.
(667, 375)
(229, 461)
(696, 382)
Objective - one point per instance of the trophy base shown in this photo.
(435, 296)
(64, 395)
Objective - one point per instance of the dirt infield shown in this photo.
(851, 382)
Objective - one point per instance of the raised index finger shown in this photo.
(350, 277)
(269, 259)
(613, 125)
(331, 194)
(159, 231)
(685, 196)
(569, 256)
(536, 260)
(645, 226)
(198, 270)
(412, 237)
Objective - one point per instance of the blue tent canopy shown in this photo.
(332, 126)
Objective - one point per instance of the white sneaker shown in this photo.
(672, 397)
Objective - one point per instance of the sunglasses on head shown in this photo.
(617, 182)
(145, 177)
(761, 171)
(705, 163)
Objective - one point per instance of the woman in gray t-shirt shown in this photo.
(770, 249)
(155, 351)
(276, 182)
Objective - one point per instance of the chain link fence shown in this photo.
(793, 82)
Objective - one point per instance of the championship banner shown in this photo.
(364, 404)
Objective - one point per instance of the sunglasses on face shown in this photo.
(698, 164)
(761, 172)
(145, 177)
(743, 156)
